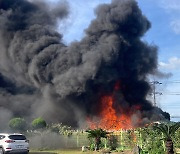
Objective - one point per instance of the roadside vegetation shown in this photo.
(157, 138)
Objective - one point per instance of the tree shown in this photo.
(18, 124)
(38, 123)
(168, 131)
(61, 129)
(149, 140)
(97, 134)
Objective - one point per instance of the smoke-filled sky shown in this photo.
(164, 16)
(45, 72)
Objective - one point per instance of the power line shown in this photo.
(155, 83)
(173, 94)
(167, 81)
(175, 116)
(173, 81)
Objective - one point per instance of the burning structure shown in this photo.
(101, 78)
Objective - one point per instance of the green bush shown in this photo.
(18, 124)
(150, 141)
(38, 123)
(60, 129)
(176, 139)
(113, 142)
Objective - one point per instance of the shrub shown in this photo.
(61, 129)
(38, 123)
(113, 142)
(18, 124)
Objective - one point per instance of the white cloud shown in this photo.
(171, 5)
(172, 64)
(175, 25)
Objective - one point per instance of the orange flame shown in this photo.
(110, 118)
(133, 136)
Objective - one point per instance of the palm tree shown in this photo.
(168, 131)
(97, 134)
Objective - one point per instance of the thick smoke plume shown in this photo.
(41, 76)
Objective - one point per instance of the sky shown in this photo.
(164, 16)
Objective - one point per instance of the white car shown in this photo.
(13, 143)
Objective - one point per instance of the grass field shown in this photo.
(74, 151)
(63, 152)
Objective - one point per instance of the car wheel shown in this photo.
(1, 151)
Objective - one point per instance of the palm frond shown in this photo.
(174, 128)
(96, 133)
(162, 128)
(167, 129)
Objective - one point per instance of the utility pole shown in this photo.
(154, 83)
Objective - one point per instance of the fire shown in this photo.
(110, 118)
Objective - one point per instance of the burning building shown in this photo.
(102, 78)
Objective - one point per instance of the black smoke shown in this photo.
(41, 76)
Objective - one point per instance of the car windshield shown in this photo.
(17, 137)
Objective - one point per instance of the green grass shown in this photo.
(71, 151)
(67, 151)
